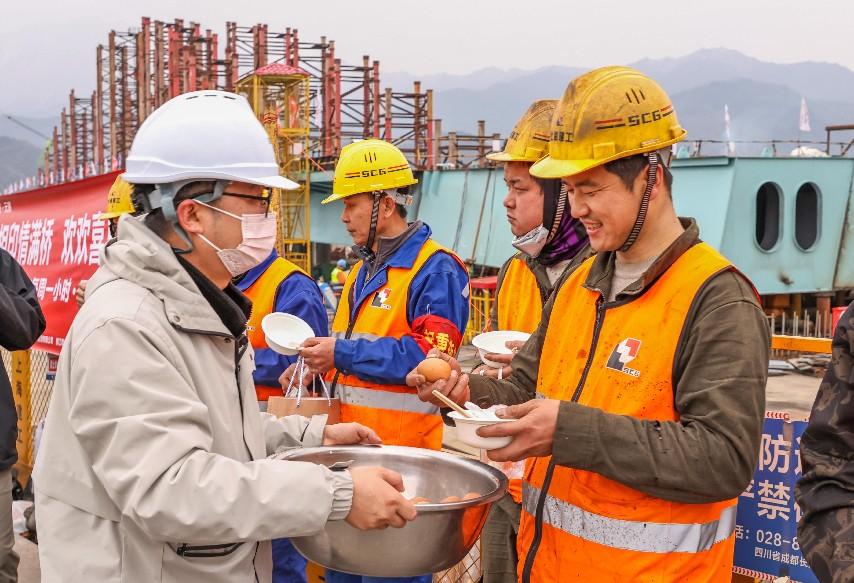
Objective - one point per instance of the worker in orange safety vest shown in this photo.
(639, 400)
(406, 296)
(551, 245)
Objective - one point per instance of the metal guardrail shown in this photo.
(479, 310)
(801, 344)
(31, 389)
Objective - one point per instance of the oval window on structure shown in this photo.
(807, 216)
(768, 215)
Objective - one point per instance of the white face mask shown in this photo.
(259, 238)
(532, 242)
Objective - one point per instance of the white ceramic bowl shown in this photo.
(494, 342)
(285, 333)
(467, 431)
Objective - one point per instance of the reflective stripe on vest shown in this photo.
(356, 335)
(520, 299)
(646, 537)
(379, 399)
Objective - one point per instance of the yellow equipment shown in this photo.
(119, 200)
(369, 166)
(606, 114)
(529, 139)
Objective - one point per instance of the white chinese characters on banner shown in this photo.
(54, 234)
(766, 531)
(82, 240)
(774, 454)
(29, 242)
(97, 241)
(773, 500)
(59, 290)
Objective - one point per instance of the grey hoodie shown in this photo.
(154, 444)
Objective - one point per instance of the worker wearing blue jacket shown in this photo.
(407, 295)
(291, 291)
(277, 285)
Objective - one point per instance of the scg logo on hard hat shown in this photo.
(369, 166)
(593, 124)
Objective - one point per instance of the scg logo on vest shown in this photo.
(381, 299)
(623, 354)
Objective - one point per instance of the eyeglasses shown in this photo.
(264, 198)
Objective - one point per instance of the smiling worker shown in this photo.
(642, 390)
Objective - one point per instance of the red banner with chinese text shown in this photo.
(52, 232)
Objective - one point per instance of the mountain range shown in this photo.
(763, 98)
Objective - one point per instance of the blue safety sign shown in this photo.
(766, 536)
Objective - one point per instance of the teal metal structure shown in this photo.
(784, 222)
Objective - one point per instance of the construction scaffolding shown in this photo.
(336, 103)
(280, 96)
(457, 150)
(138, 70)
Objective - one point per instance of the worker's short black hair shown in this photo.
(628, 169)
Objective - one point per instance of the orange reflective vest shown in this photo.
(394, 411)
(263, 295)
(620, 358)
(520, 298)
(338, 276)
(520, 308)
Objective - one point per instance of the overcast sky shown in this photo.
(46, 48)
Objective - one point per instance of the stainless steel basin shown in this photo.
(437, 539)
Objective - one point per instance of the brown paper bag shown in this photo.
(308, 407)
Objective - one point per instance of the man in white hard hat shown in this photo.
(154, 462)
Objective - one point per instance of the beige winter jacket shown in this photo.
(152, 465)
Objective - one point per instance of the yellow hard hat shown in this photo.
(530, 136)
(368, 166)
(606, 114)
(118, 200)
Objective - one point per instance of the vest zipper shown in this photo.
(541, 501)
(351, 323)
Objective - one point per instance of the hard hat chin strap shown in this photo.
(367, 250)
(375, 217)
(163, 197)
(644, 206)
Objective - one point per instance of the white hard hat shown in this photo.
(203, 135)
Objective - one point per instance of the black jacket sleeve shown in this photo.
(21, 317)
(825, 491)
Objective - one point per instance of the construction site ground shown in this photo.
(792, 393)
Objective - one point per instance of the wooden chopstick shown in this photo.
(452, 405)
